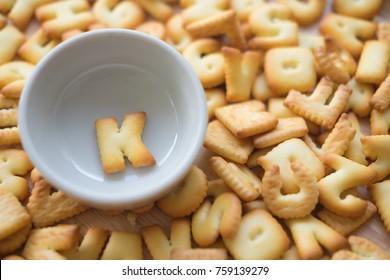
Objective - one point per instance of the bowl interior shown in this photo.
(110, 74)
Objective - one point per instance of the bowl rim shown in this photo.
(94, 198)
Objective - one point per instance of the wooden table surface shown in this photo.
(373, 230)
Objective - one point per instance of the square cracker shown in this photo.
(13, 216)
(246, 119)
(220, 140)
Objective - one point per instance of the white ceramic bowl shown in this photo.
(110, 73)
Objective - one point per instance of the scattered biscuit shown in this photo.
(215, 98)
(337, 141)
(187, 197)
(59, 17)
(223, 23)
(159, 246)
(221, 140)
(380, 122)
(377, 148)
(115, 143)
(222, 217)
(380, 195)
(13, 216)
(240, 73)
(37, 46)
(119, 14)
(90, 247)
(314, 107)
(290, 206)
(355, 149)
(346, 225)
(177, 35)
(259, 237)
(243, 181)
(246, 119)
(286, 128)
(270, 19)
(381, 98)
(292, 150)
(217, 187)
(305, 12)
(48, 206)
(46, 243)
(11, 39)
(365, 9)
(123, 246)
(311, 234)
(349, 32)
(14, 164)
(200, 9)
(373, 62)
(13, 242)
(290, 68)
(348, 174)
(361, 249)
(158, 9)
(153, 28)
(359, 101)
(206, 58)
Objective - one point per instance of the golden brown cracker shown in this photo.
(377, 148)
(90, 247)
(359, 101)
(290, 206)
(365, 9)
(290, 68)
(244, 182)
(381, 98)
(380, 194)
(158, 244)
(123, 246)
(221, 140)
(380, 122)
(292, 150)
(348, 174)
(215, 98)
(305, 12)
(206, 58)
(349, 32)
(310, 235)
(115, 143)
(119, 14)
(59, 17)
(14, 215)
(314, 107)
(187, 197)
(153, 28)
(246, 119)
(48, 206)
(270, 19)
(177, 35)
(346, 225)
(13, 242)
(221, 217)
(287, 128)
(223, 23)
(361, 249)
(240, 72)
(373, 62)
(259, 236)
(37, 46)
(158, 9)
(14, 164)
(46, 243)
(11, 39)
